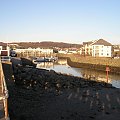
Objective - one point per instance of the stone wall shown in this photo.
(115, 70)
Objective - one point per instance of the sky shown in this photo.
(70, 21)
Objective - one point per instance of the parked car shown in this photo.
(13, 53)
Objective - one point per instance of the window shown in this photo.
(4, 47)
(96, 47)
(96, 54)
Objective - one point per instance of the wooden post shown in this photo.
(6, 108)
(107, 70)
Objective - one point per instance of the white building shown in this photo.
(97, 48)
(101, 48)
(4, 49)
(34, 51)
(63, 51)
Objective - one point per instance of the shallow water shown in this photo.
(61, 66)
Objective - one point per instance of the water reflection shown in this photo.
(94, 75)
(62, 67)
(45, 65)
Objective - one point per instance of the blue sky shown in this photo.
(71, 21)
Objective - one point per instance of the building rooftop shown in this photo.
(3, 44)
(102, 42)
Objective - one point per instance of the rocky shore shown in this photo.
(30, 77)
(39, 94)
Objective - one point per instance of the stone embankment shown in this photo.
(78, 63)
(33, 78)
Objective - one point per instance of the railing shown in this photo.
(4, 91)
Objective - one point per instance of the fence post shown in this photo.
(107, 70)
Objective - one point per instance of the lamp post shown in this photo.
(107, 70)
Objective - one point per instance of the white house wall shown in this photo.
(107, 51)
(0, 47)
(7, 49)
(47, 51)
(101, 51)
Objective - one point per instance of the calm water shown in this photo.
(62, 67)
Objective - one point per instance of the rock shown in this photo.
(27, 61)
(108, 85)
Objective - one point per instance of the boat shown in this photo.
(38, 59)
(45, 59)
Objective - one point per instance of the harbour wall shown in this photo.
(113, 70)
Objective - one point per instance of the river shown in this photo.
(61, 66)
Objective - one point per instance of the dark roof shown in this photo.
(3, 44)
(88, 43)
(102, 42)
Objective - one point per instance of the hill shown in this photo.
(46, 45)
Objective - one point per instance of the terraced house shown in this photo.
(97, 48)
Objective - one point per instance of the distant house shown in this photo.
(116, 51)
(4, 49)
(63, 51)
(97, 48)
(34, 51)
(72, 51)
(101, 48)
(3, 46)
(87, 48)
